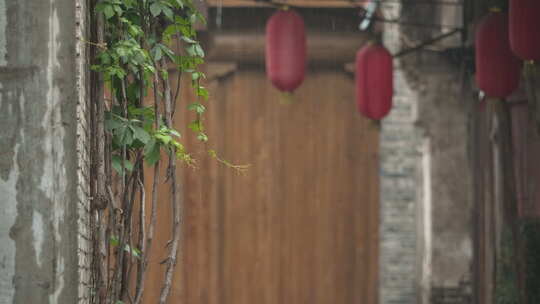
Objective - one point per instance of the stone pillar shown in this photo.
(426, 173)
(44, 211)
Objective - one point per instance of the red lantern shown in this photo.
(374, 81)
(497, 69)
(285, 50)
(525, 28)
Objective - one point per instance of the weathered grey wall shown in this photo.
(43, 200)
(426, 173)
(401, 159)
(444, 104)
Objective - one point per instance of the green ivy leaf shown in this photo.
(140, 134)
(196, 107)
(197, 75)
(112, 124)
(114, 241)
(167, 52)
(105, 8)
(202, 137)
(198, 50)
(136, 252)
(166, 139)
(133, 251)
(187, 39)
(117, 164)
(175, 133)
(164, 74)
(193, 18)
(157, 54)
(191, 50)
(195, 126)
(168, 12)
(155, 9)
(118, 9)
(108, 11)
(202, 92)
(179, 3)
(125, 136)
(151, 152)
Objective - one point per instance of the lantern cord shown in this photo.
(424, 2)
(517, 102)
(357, 5)
(276, 4)
(371, 17)
(426, 43)
(412, 24)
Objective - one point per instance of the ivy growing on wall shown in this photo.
(135, 59)
(134, 44)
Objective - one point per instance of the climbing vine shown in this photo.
(134, 45)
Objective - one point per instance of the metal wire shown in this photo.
(413, 24)
(358, 5)
(423, 2)
(371, 17)
(426, 43)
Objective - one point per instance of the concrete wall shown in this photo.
(43, 202)
(426, 172)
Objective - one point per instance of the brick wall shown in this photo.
(426, 173)
(399, 183)
(459, 294)
(399, 163)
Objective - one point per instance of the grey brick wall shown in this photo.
(399, 182)
(426, 189)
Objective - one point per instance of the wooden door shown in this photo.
(301, 225)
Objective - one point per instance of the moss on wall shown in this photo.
(530, 231)
(506, 291)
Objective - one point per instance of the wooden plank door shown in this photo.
(301, 225)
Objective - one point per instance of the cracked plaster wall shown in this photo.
(43, 200)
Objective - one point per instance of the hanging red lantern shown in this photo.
(525, 28)
(497, 69)
(374, 81)
(285, 50)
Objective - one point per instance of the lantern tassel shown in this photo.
(286, 98)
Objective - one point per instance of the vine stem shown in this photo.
(115, 196)
(175, 202)
(142, 240)
(146, 250)
(178, 84)
(141, 265)
(98, 170)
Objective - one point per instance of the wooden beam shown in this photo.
(299, 3)
(248, 47)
